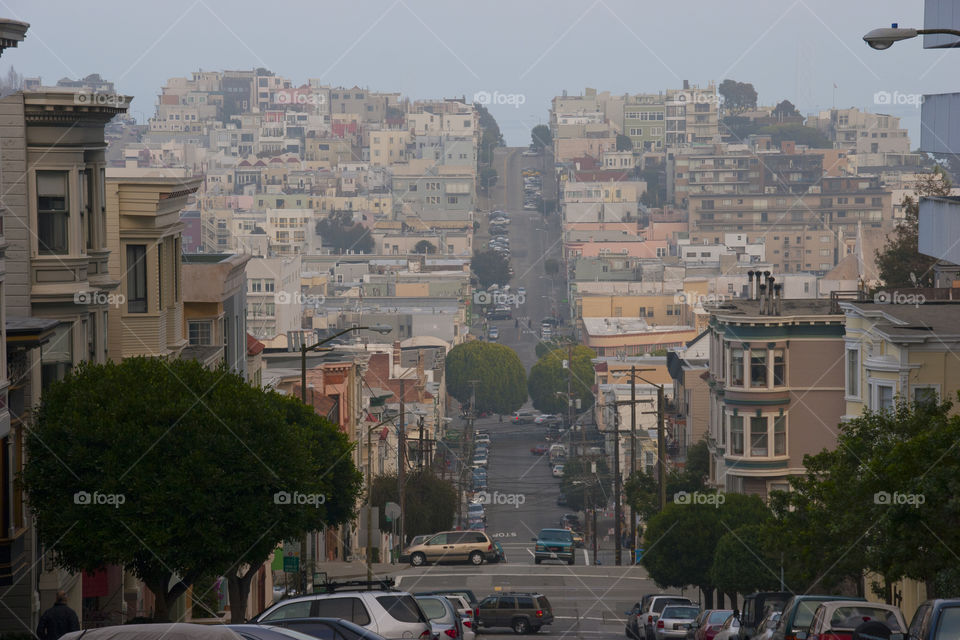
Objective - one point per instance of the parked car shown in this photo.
(481, 437)
(465, 610)
(766, 627)
(156, 631)
(524, 416)
(269, 632)
(539, 450)
(570, 521)
(465, 593)
(544, 418)
(798, 614)
(554, 544)
(936, 620)
(651, 611)
(838, 619)
(756, 606)
(557, 471)
(382, 610)
(675, 620)
(730, 629)
(476, 510)
(474, 547)
(709, 622)
(522, 291)
(499, 555)
(634, 623)
(522, 612)
(493, 333)
(444, 618)
(561, 500)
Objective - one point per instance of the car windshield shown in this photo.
(554, 535)
(719, 617)
(853, 616)
(684, 613)
(805, 611)
(663, 602)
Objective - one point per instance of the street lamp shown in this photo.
(379, 328)
(370, 487)
(881, 39)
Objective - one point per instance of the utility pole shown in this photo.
(402, 462)
(661, 448)
(420, 458)
(618, 532)
(633, 455)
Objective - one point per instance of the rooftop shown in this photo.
(916, 322)
(788, 307)
(620, 326)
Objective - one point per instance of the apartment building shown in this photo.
(691, 115)
(631, 336)
(144, 238)
(215, 309)
(644, 121)
(434, 192)
(776, 379)
(863, 133)
(275, 301)
(388, 146)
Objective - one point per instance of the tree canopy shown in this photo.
(889, 487)
(490, 136)
(338, 231)
(431, 502)
(737, 96)
(799, 133)
(501, 378)
(624, 143)
(490, 267)
(785, 109)
(541, 137)
(548, 378)
(424, 247)
(177, 470)
(901, 255)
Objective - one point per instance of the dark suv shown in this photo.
(522, 612)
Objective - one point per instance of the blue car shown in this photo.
(554, 544)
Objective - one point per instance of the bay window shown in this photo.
(759, 437)
(779, 368)
(853, 372)
(780, 435)
(53, 213)
(736, 367)
(736, 435)
(758, 368)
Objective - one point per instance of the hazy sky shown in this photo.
(530, 48)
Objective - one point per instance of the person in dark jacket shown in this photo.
(58, 619)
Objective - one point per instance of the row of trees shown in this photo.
(878, 508)
(172, 470)
(339, 232)
(547, 384)
(501, 379)
(490, 267)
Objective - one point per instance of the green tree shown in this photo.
(584, 487)
(551, 267)
(490, 136)
(545, 346)
(490, 267)
(548, 378)
(487, 178)
(742, 564)
(424, 247)
(173, 470)
(681, 540)
(737, 96)
(785, 109)
(501, 378)
(339, 232)
(430, 501)
(642, 489)
(900, 262)
(739, 127)
(798, 133)
(541, 136)
(624, 143)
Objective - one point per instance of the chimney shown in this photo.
(778, 300)
(769, 293)
(750, 284)
(762, 296)
(686, 84)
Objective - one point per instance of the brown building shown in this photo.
(776, 382)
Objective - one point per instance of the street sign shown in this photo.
(391, 511)
(291, 556)
(291, 564)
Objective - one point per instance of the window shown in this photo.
(853, 372)
(52, 213)
(780, 435)
(57, 355)
(136, 272)
(758, 436)
(779, 368)
(507, 603)
(736, 435)
(758, 368)
(882, 396)
(351, 609)
(293, 610)
(200, 333)
(268, 284)
(256, 285)
(926, 396)
(736, 367)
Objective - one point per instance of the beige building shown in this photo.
(275, 300)
(388, 146)
(214, 309)
(143, 236)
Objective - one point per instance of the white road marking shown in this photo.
(586, 558)
(531, 553)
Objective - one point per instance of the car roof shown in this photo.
(554, 529)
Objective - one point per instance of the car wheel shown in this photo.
(571, 560)
(520, 626)
(536, 561)
(534, 629)
(418, 559)
(476, 558)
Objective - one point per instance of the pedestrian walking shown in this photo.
(58, 620)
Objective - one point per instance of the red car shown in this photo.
(539, 450)
(709, 623)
